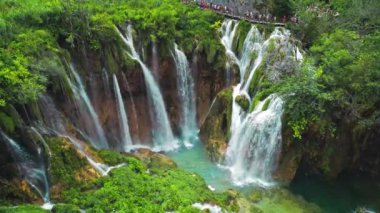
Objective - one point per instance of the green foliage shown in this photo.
(30, 29)
(134, 191)
(254, 85)
(7, 123)
(266, 104)
(66, 208)
(112, 158)
(65, 161)
(23, 209)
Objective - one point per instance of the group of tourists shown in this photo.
(250, 15)
(267, 17)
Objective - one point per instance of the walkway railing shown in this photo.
(237, 17)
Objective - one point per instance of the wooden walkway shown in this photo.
(236, 17)
(231, 16)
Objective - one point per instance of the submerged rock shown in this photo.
(281, 200)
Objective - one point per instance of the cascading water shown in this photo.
(186, 92)
(136, 138)
(254, 146)
(162, 132)
(255, 139)
(80, 93)
(228, 30)
(32, 169)
(106, 84)
(123, 119)
(54, 124)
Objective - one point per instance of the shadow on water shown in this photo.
(342, 195)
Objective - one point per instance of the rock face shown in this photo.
(96, 68)
(329, 157)
(215, 129)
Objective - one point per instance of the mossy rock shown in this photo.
(216, 149)
(69, 168)
(7, 123)
(65, 208)
(9, 119)
(241, 33)
(128, 62)
(113, 158)
(226, 98)
(243, 102)
(155, 161)
(266, 104)
(112, 58)
(256, 196)
(281, 200)
(17, 191)
(254, 85)
(216, 127)
(266, 29)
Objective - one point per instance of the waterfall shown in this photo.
(162, 133)
(186, 92)
(32, 170)
(80, 93)
(54, 124)
(123, 119)
(136, 138)
(254, 147)
(255, 141)
(155, 59)
(106, 84)
(228, 31)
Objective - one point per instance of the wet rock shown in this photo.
(243, 102)
(215, 129)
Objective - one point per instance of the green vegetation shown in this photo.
(340, 76)
(23, 209)
(66, 161)
(133, 189)
(66, 208)
(227, 98)
(266, 104)
(33, 33)
(243, 102)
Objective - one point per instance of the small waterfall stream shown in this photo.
(186, 94)
(228, 31)
(53, 123)
(162, 133)
(123, 119)
(254, 146)
(255, 141)
(32, 169)
(79, 90)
